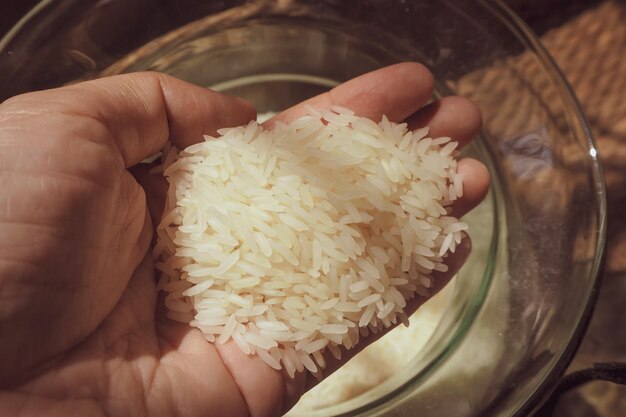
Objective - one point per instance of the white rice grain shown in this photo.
(295, 241)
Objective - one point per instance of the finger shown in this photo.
(194, 367)
(396, 91)
(267, 391)
(456, 117)
(137, 112)
(142, 237)
(460, 119)
(440, 280)
(475, 177)
(155, 187)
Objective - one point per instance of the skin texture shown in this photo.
(82, 331)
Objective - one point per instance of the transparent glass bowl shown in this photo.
(518, 308)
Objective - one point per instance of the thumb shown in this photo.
(137, 113)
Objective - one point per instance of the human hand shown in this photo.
(81, 328)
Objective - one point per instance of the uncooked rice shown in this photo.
(301, 239)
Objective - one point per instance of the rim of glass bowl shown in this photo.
(577, 120)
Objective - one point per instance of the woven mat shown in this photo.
(591, 51)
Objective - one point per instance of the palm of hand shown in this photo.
(75, 233)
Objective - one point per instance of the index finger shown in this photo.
(396, 91)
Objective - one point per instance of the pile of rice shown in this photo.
(303, 238)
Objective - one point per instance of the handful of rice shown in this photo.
(303, 238)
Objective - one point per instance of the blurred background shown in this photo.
(587, 39)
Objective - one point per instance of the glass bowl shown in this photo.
(510, 322)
